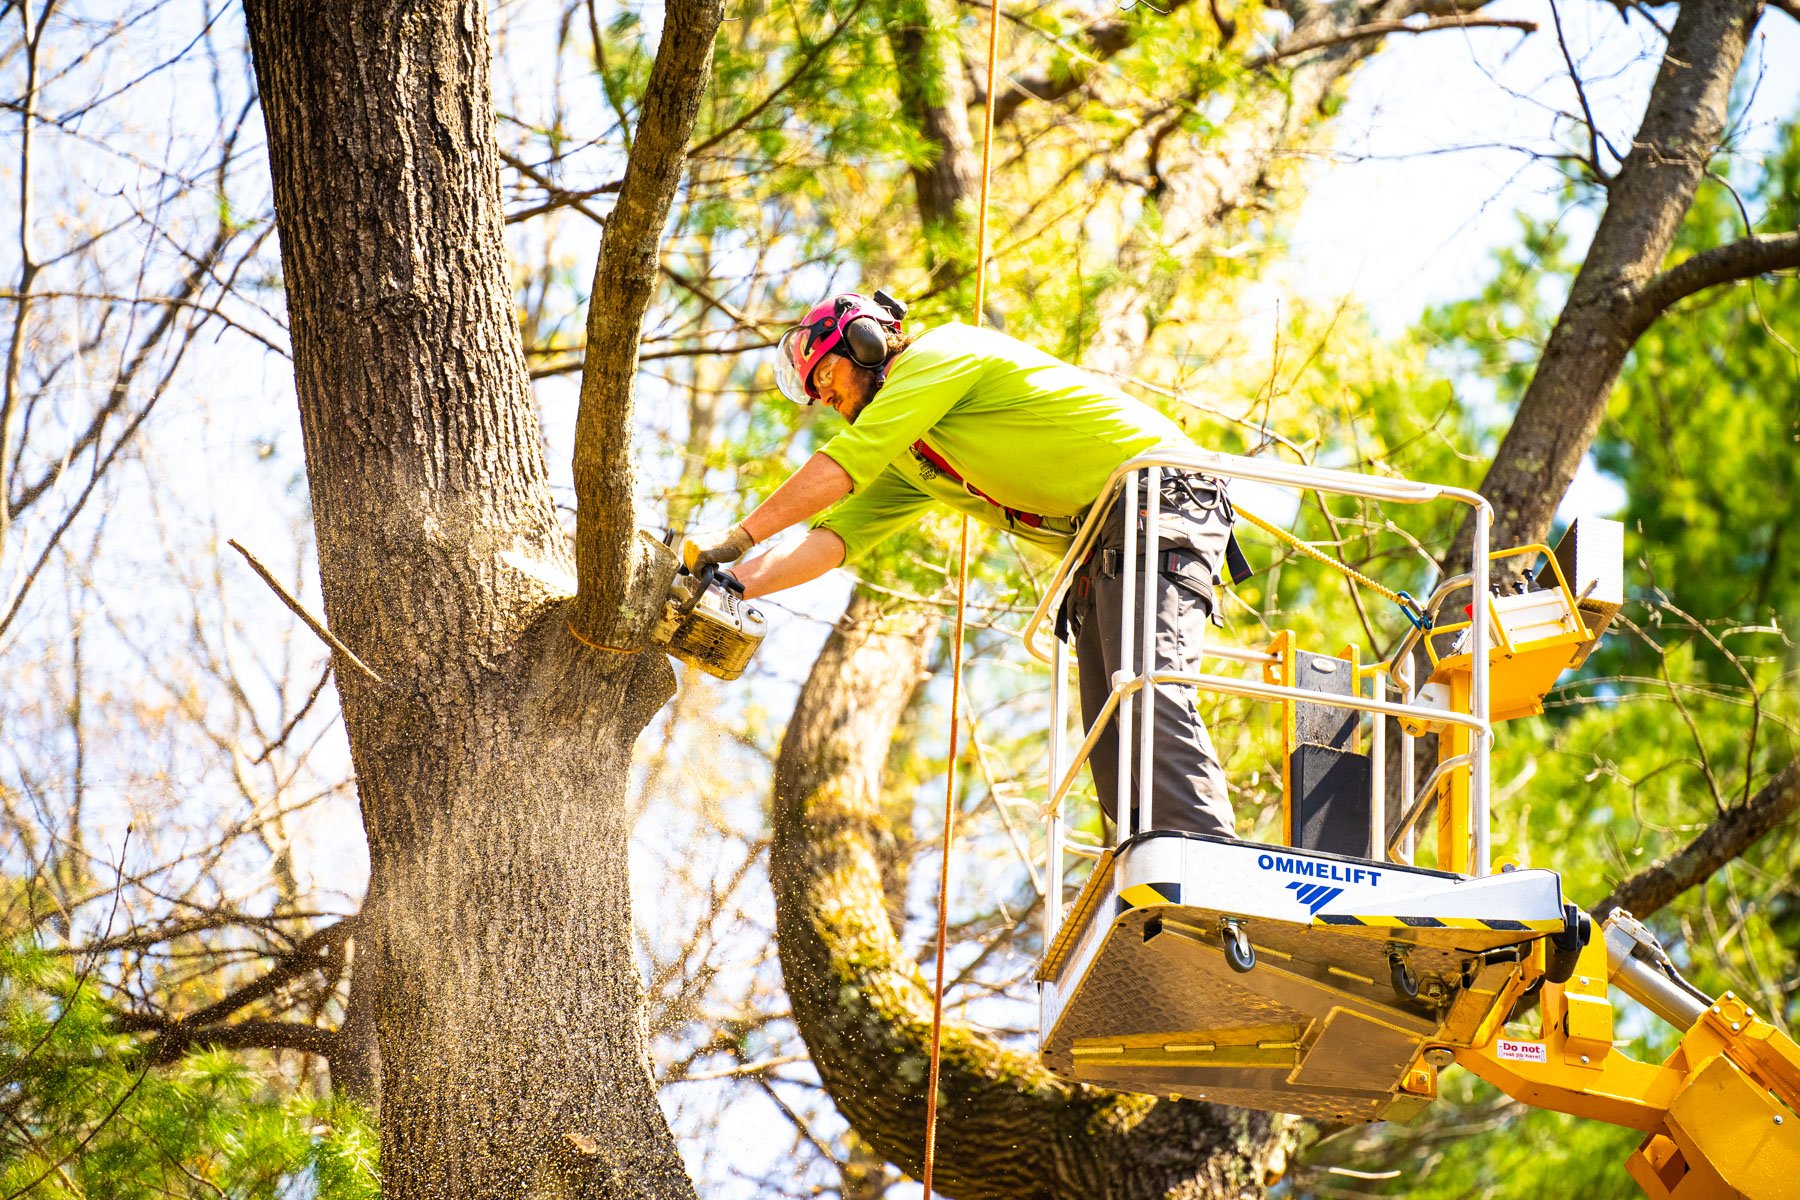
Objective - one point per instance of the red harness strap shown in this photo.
(944, 468)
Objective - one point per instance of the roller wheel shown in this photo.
(1239, 953)
(1406, 983)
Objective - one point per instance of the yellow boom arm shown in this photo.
(1718, 1114)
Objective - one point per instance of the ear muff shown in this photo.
(865, 339)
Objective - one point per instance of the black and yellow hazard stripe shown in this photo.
(1145, 895)
(1496, 925)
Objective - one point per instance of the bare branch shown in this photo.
(1725, 839)
(248, 1035)
(300, 610)
(1383, 28)
(311, 954)
(1587, 112)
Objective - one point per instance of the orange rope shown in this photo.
(956, 652)
(592, 645)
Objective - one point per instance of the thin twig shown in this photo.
(300, 610)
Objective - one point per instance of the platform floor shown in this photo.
(1138, 994)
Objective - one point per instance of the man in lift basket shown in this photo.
(1021, 441)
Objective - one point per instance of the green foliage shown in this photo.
(1501, 1149)
(88, 1114)
(1690, 704)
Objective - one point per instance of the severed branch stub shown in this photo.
(300, 610)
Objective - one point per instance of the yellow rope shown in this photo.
(1270, 527)
(956, 657)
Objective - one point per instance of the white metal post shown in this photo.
(1147, 691)
(1053, 849)
(1406, 758)
(1479, 620)
(1127, 656)
(1378, 772)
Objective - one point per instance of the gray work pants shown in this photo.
(1187, 785)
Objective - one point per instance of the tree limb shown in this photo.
(608, 566)
(1383, 28)
(1755, 255)
(310, 954)
(1727, 838)
(1646, 202)
(300, 610)
(1104, 39)
(247, 1035)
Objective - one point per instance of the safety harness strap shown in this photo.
(1237, 567)
(937, 460)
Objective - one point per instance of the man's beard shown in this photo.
(865, 385)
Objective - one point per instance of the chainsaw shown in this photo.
(707, 624)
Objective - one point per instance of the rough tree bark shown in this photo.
(1007, 1128)
(492, 763)
(1618, 294)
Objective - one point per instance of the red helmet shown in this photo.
(850, 324)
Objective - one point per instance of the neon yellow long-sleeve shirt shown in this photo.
(1025, 428)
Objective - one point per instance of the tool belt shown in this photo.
(1175, 563)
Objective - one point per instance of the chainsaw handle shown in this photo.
(705, 575)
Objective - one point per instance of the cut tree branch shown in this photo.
(1727, 838)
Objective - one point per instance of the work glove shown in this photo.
(714, 549)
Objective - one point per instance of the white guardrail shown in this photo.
(1138, 681)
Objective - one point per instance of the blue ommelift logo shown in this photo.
(1315, 895)
(1315, 869)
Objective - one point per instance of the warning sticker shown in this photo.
(1521, 1051)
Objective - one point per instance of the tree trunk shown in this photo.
(934, 96)
(1007, 1128)
(1646, 202)
(491, 764)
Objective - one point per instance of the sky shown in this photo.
(1437, 151)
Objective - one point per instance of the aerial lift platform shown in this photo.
(1332, 975)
